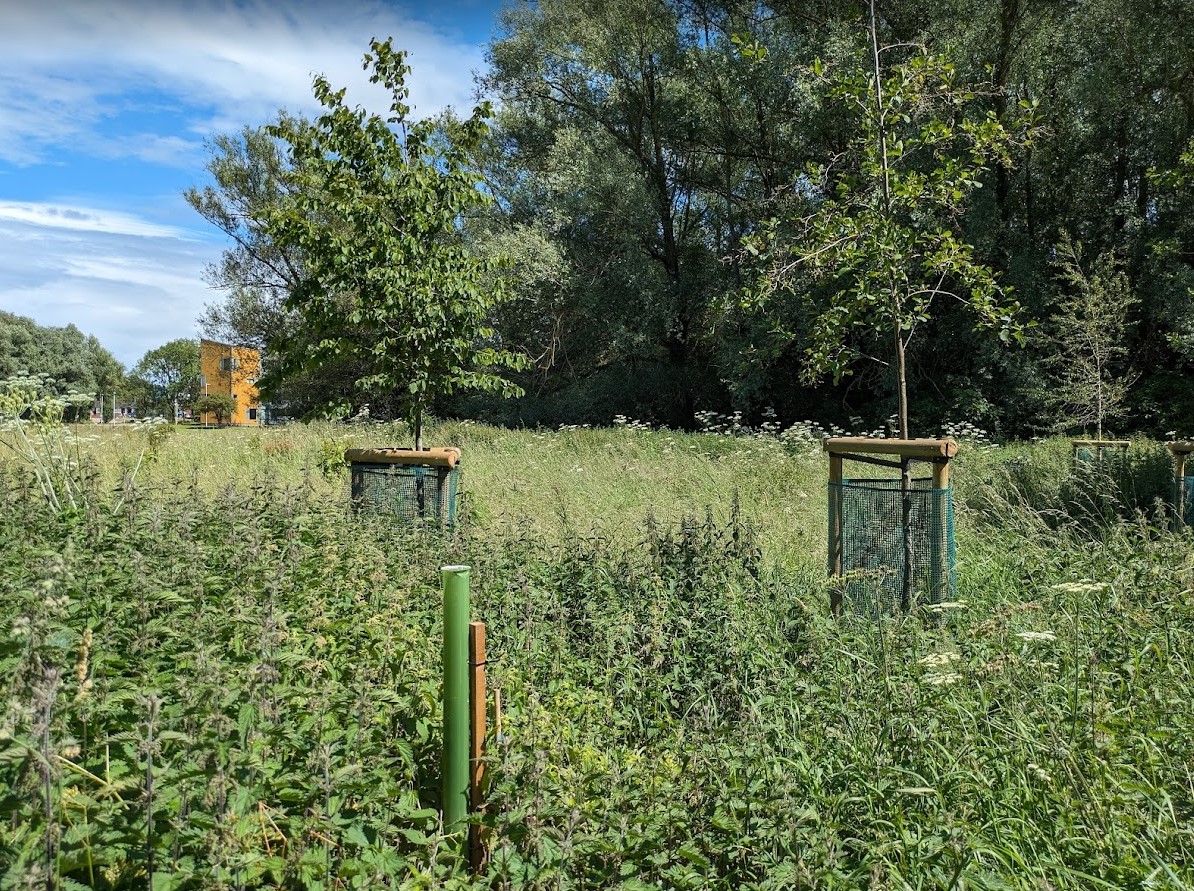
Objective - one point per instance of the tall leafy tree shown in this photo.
(388, 281)
(172, 370)
(878, 229)
(66, 356)
(636, 139)
(1089, 360)
(251, 176)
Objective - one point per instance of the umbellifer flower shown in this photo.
(937, 660)
(940, 680)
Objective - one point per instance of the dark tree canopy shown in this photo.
(639, 144)
(172, 374)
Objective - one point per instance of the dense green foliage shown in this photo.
(1089, 333)
(885, 241)
(637, 143)
(728, 96)
(388, 283)
(216, 675)
(170, 375)
(67, 358)
(221, 405)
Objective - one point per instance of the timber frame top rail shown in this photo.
(443, 457)
(1182, 448)
(1101, 443)
(914, 449)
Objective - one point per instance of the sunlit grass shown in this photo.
(681, 709)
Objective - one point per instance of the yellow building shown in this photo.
(231, 371)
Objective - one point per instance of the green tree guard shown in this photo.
(455, 765)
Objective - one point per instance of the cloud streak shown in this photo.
(104, 106)
(131, 282)
(38, 216)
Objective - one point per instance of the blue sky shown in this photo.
(104, 109)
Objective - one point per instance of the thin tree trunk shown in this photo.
(902, 385)
(420, 485)
(896, 307)
(905, 479)
(1098, 394)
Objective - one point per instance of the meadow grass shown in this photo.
(215, 676)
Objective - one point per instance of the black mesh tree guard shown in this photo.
(1087, 451)
(1183, 485)
(891, 540)
(402, 483)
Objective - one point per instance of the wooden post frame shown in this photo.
(477, 733)
(835, 531)
(1099, 446)
(893, 453)
(1180, 451)
(441, 464)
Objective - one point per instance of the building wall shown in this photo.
(233, 371)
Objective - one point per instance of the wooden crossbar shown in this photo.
(914, 449)
(443, 457)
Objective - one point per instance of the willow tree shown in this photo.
(388, 282)
(873, 237)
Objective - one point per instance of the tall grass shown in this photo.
(229, 681)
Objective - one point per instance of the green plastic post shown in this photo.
(454, 767)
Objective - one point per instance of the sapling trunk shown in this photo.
(1099, 402)
(420, 491)
(905, 472)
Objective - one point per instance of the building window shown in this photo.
(229, 364)
(252, 413)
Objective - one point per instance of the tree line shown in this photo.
(692, 205)
(66, 361)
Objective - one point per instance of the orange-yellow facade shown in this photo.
(231, 371)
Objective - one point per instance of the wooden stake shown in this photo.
(835, 531)
(941, 475)
(1179, 475)
(477, 729)
(938, 552)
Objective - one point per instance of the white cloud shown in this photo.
(145, 82)
(133, 283)
(83, 219)
(67, 67)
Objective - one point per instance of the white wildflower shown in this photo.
(940, 680)
(1036, 635)
(1038, 772)
(937, 660)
